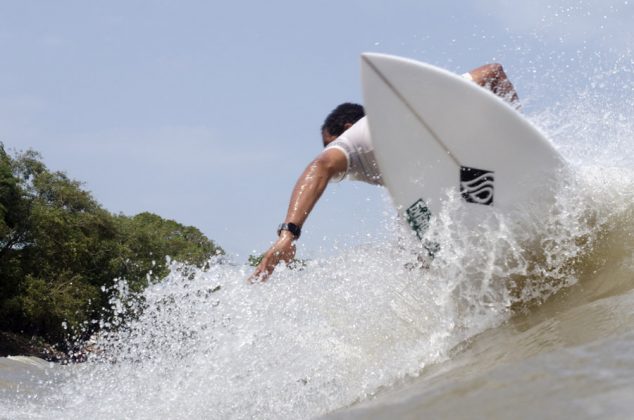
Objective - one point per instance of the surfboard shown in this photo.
(437, 134)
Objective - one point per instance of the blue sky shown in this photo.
(206, 112)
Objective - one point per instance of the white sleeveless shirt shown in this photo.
(356, 144)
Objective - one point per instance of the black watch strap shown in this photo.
(291, 227)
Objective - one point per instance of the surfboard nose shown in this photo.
(377, 59)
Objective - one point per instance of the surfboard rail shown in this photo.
(436, 133)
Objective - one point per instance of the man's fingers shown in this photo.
(262, 271)
(259, 276)
(279, 252)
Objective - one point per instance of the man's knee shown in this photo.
(494, 71)
(488, 75)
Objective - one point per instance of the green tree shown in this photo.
(147, 240)
(60, 251)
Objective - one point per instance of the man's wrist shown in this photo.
(291, 228)
(286, 235)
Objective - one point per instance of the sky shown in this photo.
(206, 112)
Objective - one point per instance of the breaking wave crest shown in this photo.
(340, 329)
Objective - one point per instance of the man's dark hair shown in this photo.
(346, 113)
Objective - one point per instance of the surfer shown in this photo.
(348, 152)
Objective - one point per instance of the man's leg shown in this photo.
(492, 77)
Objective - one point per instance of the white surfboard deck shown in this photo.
(435, 132)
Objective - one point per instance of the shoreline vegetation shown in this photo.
(62, 253)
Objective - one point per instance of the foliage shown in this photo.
(60, 251)
(296, 263)
(254, 261)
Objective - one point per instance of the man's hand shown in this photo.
(282, 250)
(308, 188)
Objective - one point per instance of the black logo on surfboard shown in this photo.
(418, 216)
(477, 185)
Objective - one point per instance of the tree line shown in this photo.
(61, 251)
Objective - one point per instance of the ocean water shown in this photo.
(528, 317)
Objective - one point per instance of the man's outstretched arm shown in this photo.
(308, 188)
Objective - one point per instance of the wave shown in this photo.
(344, 328)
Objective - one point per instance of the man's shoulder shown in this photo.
(358, 135)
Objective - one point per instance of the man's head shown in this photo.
(339, 120)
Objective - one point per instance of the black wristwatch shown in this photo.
(295, 230)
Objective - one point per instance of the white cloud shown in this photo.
(53, 41)
(19, 104)
(189, 146)
(606, 22)
(16, 115)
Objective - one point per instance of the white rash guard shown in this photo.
(356, 145)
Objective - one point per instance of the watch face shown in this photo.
(291, 227)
